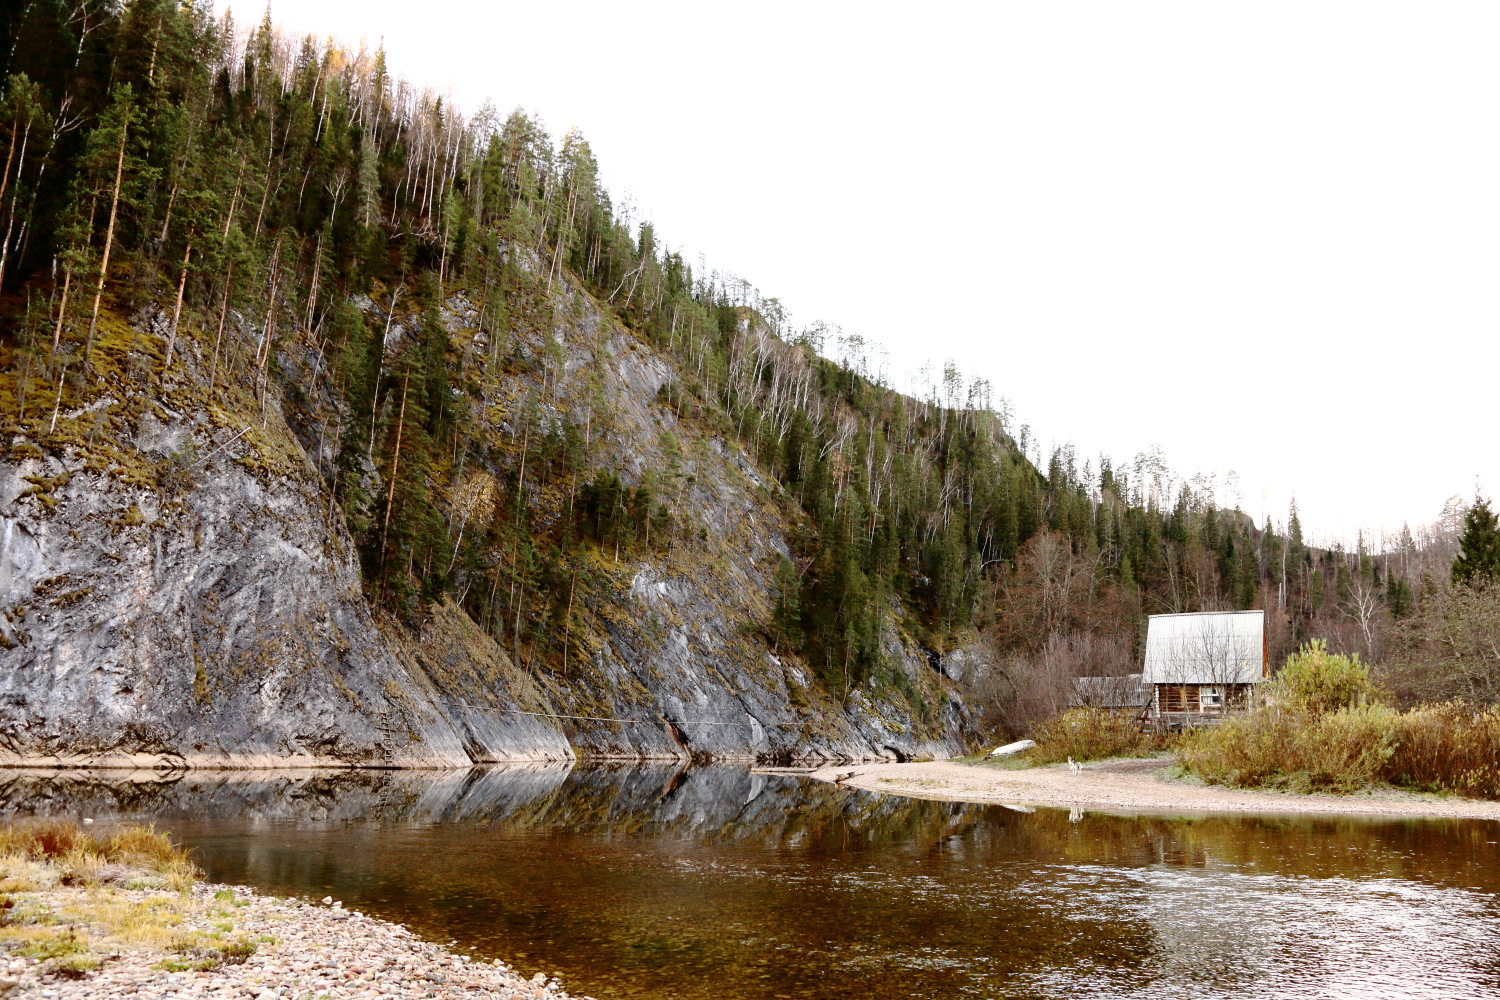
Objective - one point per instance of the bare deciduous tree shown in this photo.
(1364, 607)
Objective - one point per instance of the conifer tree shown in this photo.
(1398, 597)
(1478, 560)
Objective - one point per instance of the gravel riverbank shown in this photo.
(224, 941)
(1135, 786)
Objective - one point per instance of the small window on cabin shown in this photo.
(1211, 697)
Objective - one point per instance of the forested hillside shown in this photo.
(270, 229)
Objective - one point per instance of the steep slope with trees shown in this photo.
(369, 439)
(343, 426)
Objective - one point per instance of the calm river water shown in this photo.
(716, 882)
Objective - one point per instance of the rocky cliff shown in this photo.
(179, 588)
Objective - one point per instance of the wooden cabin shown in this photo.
(1204, 665)
(1125, 695)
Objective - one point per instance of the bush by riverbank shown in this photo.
(1453, 747)
(124, 913)
(1085, 734)
(1324, 729)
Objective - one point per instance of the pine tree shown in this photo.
(786, 615)
(1398, 597)
(1478, 560)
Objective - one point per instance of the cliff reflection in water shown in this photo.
(721, 882)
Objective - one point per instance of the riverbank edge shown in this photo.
(302, 950)
(1133, 790)
(271, 762)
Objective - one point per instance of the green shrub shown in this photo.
(198, 955)
(1319, 681)
(73, 966)
(1294, 749)
(1090, 734)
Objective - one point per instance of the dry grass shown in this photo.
(1450, 747)
(1293, 749)
(1091, 734)
(70, 897)
(86, 857)
(149, 923)
(1442, 748)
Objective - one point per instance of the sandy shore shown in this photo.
(1134, 786)
(165, 943)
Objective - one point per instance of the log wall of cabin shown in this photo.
(1177, 698)
(1186, 699)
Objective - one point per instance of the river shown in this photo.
(719, 882)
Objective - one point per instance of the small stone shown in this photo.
(327, 900)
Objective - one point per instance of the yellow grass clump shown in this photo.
(1091, 734)
(71, 896)
(84, 856)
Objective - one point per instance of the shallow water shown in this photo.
(716, 882)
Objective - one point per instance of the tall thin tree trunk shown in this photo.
(312, 292)
(109, 239)
(10, 219)
(263, 353)
(568, 621)
(390, 497)
(266, 194)
(62, 309)
(57, 405)
(515, 558)
(234, 201)
(380, 371)
(177, 309)
(213, 372)
(10, 156)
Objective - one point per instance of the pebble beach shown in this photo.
(1130, 786)
(301, 949)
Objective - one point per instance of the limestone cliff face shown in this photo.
(176, 591)
(177, 588)
(680, 649)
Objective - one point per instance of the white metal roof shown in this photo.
(1211, 647)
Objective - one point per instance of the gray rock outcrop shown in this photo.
(178, 590)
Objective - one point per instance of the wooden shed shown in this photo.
(1126, 695)
(1203, 665)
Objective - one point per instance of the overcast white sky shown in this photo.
(1263, 237)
